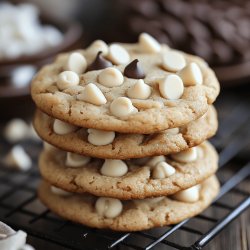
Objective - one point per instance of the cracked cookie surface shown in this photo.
(135, 215)
(153, 114)
(137, 183)
(126, 146)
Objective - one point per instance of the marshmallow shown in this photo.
(122, 106)
(114, 168)
(92, 94)
(98, 46)
(63, 128)
(18, 158)
(155, 160)
(171, 87)
(188, 195)
(16, 130)
(148, 43)
(118, 55)
(188, 155)
(100, 137)
(59, 191)
(173, 61)
(110, 77)
(76, 63)
(173, 131)
(162, 170)
(76, 160)
(48, 147)
(67, 79)
(191, 75)
(108, 207)
(139, 90)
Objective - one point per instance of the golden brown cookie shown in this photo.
(126, 146)
(127, 215)
(134, 179)
(163, 89)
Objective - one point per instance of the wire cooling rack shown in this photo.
(21, 209)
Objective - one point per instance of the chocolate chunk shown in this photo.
(99, 63)
(134, 70)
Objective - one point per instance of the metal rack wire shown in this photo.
(20, 208)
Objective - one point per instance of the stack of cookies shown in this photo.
(125, 129)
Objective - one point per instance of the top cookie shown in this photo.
(129, 88)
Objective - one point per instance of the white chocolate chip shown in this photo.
(76, 63)
(139, 90)
(200, 152)
(188, 195)
(76, 160)
(173, 131)
(122, 106)
(171, 87)
(48, 147)
(111, 77)
(59, 191)
(98, 46)
(149, 200)
(162, 170)
(155, 160)
(173, 61)
(108, 207)
(63, 128)
(18, 158)
(188, 155)
(92, 94)
(114, 168)
(67, 79)
(100, 137)
(148, 43)
(118, 55)
(16, 130)
(191, 75)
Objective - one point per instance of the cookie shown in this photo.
(103, 144)
(133, 179)
(127, 215)
(129, 88)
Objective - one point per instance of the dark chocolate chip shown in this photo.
(134, 70)
(99, 63)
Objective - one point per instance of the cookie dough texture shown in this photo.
(126, 146)
(137, 183)
(154, 114)
(135, 215)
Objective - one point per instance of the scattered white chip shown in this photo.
(76, 63)
(122, 106)
(148, 43)
(111, 77)
(171, 87)
(108, 207)
(100, 137)
(67, 79)
(76, 160)
(185, 156)
(118, 55)
(173, 61)
(63, 128)
(155, 160)
(191, 75)
(188, 195)
(114, 168)
(139, 90)
(92, 94)
(18, 158)
(172, 131)
(16, 130)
